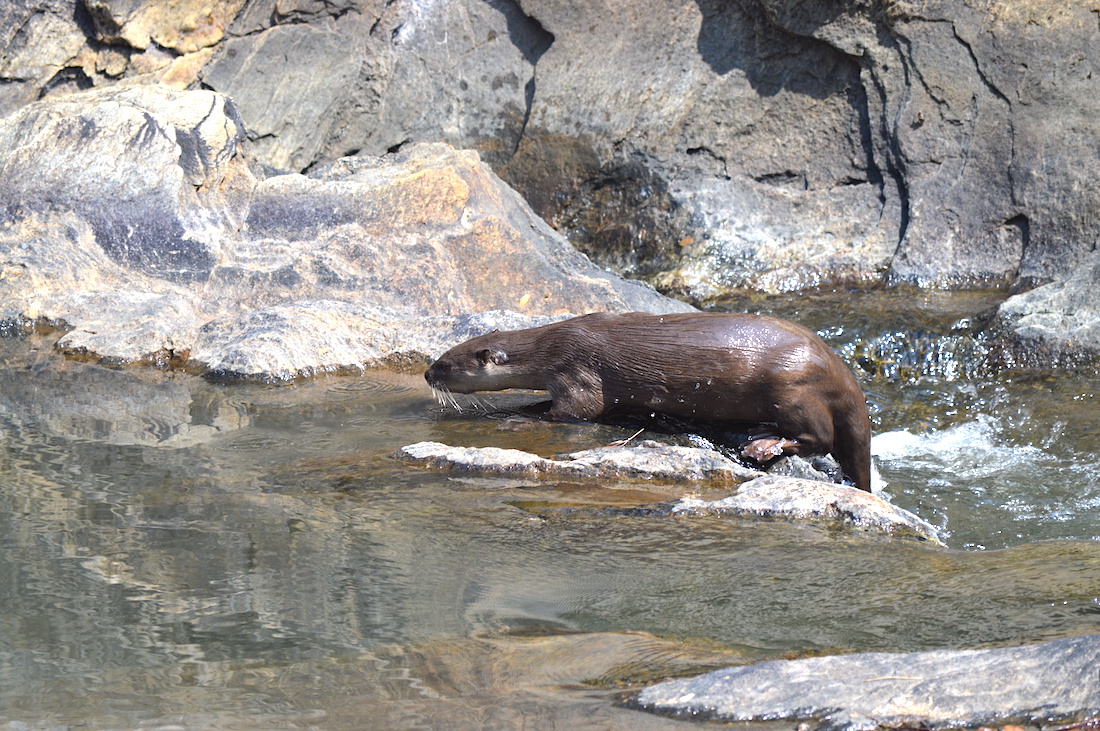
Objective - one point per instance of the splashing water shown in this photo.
(971, 477)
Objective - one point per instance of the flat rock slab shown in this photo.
(1052, 681)
(757, 495)
(646, 460)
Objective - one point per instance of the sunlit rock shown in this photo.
(793, 498)
(1033, 684)
(154, 172)
(133, 220)
(1059, 321)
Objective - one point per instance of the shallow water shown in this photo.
(175, 552)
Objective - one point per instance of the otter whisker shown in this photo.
(446, 398)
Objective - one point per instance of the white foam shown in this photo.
(970, 450)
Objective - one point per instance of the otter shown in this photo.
(709, 367)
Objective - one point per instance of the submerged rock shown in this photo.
(1043, 683)
(757, 494)
(86, 403)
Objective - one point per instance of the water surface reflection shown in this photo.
(174, 551)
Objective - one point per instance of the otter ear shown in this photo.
(492, 355)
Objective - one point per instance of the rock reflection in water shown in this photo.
(80, 401)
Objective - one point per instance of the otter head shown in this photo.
(481, 364)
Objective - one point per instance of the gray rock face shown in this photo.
(279, 114)
(766, 143)
(1053, 681)
(132, 218)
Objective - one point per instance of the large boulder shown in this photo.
(154, 172)
(768, 143)
(133, 219)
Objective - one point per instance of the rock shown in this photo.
(798, 499)
(1059, 321)
(765, 160)
(1035, 684)
(290, 114)
(38, 41)
(373, 76)
(758, 495)
(53, 270)
(431, 229)
(308, 337)
(154, 172)
(133, 220)
(764, 144)
(648, 460)
(183, 26)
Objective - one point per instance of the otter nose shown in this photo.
(436, 371)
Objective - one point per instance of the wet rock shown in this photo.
(132, 219)
(649, 460)
(757, 495)
(799, 499)
(1043, 683)
(1059, 321)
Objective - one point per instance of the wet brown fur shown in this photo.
(706, 366)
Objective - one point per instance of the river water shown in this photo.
(176, 553)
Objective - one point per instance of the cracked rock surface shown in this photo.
(764, 144)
